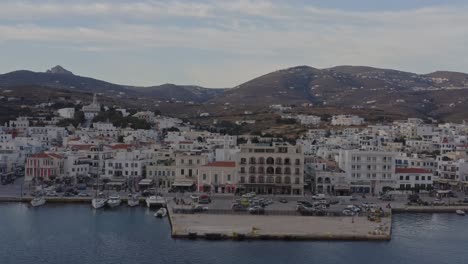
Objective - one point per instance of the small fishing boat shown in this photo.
(162, 212)
(133, 201)
(38, 201)
(460, 212)
(114, 201)
(98, 202)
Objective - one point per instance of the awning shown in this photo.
(182, 184)
(146, 182)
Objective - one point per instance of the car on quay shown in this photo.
(204, 199)
(283, 200)
(83, 194)
(52, 194)
(256, 210)
(249, 195)
(318, 196)
(348, 212)
(353, 208)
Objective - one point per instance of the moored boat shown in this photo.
(133, 201)
(98, 202)
(155, 201)
(38, 201)
(114, 201)
(460, 212)
(162, 212)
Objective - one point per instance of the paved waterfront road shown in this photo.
(76, 234)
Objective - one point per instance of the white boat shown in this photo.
(38, 201)
(98, 202)
(460, 212)
(133, 201)
(162, 212)
(155, 201)
(114, 201)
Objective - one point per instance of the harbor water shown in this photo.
(77, 234)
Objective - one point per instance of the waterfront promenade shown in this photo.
(279, 227)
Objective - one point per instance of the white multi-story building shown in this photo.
(368, 171)
(347, 120)
(66, 112)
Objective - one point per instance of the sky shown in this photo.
(223, 43)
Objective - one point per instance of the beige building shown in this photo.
(272, 168)
(217, 177)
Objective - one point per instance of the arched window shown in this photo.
(261, 160)
(278, 179)
(270, 179)
(261, 179)
(242, 179)
(252, 179)
(327, 180)
(287, 170)
(270, 161)
(252, 169)
(287, 161)
(287, 180)
(253, 160)
(319, 180)
(297, 180)
(279, 161)
(261, 170)
(270, 170)
(278, 170)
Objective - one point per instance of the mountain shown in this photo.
(341, 89)
(174, 92)
(60, 78)
(438, 94)
(59, 70)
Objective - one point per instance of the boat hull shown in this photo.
(98, 203)
(133, 203)
(38, 202)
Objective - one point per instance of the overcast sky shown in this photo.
(217, 43)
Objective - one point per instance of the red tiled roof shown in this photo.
(411, 170)
(229, 164)
(121, 146)
(46, 155)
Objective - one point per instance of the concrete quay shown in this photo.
(265, 227)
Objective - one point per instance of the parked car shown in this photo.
(204, 199)
(318, 196)
(200, 208)
(238, 207)
(348, 212)
(82, 194)
(249, 195)
(282, 200)
(51, 194)
(256, 210)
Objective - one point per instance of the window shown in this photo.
(182, 171)
(417, 178)
(229, 177)
(407, 178)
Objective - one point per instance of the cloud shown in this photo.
(271, 33)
